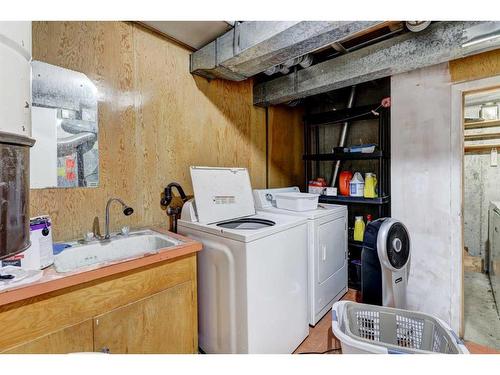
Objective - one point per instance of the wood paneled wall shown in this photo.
(155, 120)
(476, 67)
(286, 146)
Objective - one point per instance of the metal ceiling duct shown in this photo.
(57, 87)
(253, 47)
(438, 43)
(68, 145)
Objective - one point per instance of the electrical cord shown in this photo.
(386, 103)
(339, 350)
(373, 111)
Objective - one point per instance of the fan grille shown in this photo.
(398, 245)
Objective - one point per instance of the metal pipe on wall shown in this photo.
(304, 61)
(343, 135)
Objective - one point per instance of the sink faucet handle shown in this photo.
(125, 230)
(89, 236)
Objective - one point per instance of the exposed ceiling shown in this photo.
(438, 43)
(194, 34)
(292, 60)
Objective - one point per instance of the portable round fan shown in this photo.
(385, 263)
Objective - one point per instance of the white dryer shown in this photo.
(252, 278)
(327, 249)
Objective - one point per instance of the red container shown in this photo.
(344, 179)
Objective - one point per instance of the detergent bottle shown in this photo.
(357, 185)
(359, 228)
(370, 188)
(344, 180)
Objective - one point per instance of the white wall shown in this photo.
(423, 162)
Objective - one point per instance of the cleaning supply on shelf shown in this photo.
(364, 149)
(369, 219)
(344, 179)
(370, 190)
(359, 228)
(357, 185)
(331, 191)
(316, 186)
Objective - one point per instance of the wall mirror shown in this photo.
(64, 121)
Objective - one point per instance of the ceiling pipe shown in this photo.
(417, 26)
(304, 61)
(482, 39)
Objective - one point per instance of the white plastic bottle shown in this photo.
(357, 186)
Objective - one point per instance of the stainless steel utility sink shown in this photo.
(134, 245)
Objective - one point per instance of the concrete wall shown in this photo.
(422, 166)
(480, 187)
(426, 154)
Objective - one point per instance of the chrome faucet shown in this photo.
(127, 211)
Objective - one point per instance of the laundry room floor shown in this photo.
(482, 322)
(321, 338)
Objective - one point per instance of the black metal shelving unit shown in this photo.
(380, 201)
(382, 204)
(345, 156)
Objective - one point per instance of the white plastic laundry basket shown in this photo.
(375, 329)
(297, 201)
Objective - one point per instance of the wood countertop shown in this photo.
(53, 281)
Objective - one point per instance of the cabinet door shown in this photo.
(72, 339)
(162, 323)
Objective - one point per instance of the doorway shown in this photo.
(481, 216)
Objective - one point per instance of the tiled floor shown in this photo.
(321, 339)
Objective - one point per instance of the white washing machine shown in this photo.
(252, 274)
(327, 249)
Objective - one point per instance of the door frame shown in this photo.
(457, 193)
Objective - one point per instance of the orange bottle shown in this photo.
(344, 179)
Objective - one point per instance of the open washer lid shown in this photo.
(222, 193)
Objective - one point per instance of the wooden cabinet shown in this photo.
(72, 339)
(162, 323)
(149, 310)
